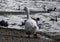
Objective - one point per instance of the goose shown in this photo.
(30, 24)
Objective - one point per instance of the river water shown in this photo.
(18, 19)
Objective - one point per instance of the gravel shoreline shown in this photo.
(14, 35)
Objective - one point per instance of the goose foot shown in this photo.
(35, 36)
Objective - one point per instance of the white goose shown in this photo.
(30, 25)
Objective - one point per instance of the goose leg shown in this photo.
(35, 36)
(28, 33)
(28, 36)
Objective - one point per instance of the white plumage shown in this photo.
(30, 25)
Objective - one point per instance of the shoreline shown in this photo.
(8, 35)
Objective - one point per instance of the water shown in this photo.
(11, 19)
(18, 19)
